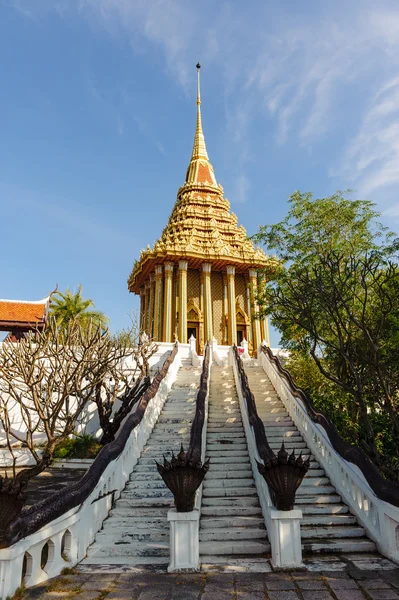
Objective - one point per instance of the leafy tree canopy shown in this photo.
(335, 299)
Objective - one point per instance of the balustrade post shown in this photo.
(184, 540)
(285, 538)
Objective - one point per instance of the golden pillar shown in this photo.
(158, 303)
(142, 308)
(151, 306)
(231, 298)
(206, 269)
(265, 320)
(167, 305)
(147, 307)
(256, 332)
(183, 264)
(225, 311)
(249, 313)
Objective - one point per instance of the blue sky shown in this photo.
(97, 118)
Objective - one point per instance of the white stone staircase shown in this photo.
(327, 525)
(137, 531)
(232, 528)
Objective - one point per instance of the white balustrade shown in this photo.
(184, 527)
(63, 542)
(283, 527)
(379, 518)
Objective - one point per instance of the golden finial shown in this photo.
(199, 149)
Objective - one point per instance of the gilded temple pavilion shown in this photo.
(201, 276)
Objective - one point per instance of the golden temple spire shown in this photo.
(199, 149)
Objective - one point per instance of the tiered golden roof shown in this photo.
(201, 227)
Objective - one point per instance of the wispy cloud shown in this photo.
(293, 71)
(371, 160)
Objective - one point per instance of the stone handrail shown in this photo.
(63, 525)
(383, 488)
(196, 446)
(283, 527)
(374, 500)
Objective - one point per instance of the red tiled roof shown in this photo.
(204, 175)
(22, 312)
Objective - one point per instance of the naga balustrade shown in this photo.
(57, 531)
(372, 498)
(183, 475)
(276, 478)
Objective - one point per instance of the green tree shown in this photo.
(72, 307)
(335, 299)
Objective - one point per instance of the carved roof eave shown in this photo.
(149, 259)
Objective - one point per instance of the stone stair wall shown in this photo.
(232, 528)
(327, 525)
(137, 531)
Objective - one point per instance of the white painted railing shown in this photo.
(64, 541)
(184, 527)
(379, 518)
(283, 527)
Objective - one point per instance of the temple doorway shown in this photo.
(240, 334)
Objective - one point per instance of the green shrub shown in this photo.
(78, 447)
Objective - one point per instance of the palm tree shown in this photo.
(68, 307)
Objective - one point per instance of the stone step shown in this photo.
(315, 481)
(226, 458)
(134, 502)
(222, 429)
(229, 501)
(145, 562)
(123, 510)
(309, 490)
(226, 453)
(131, 525)
(145, 484)
(337, 546)
(234, 473)
(241, 547)
(229, 492)
(147, 494)
(132, 535)
(232, 521)
(228, 483)
(235, 446)
(233, 533)
(323, 509)
(225, 435)
(333, 532)
(327, 520)
(229, 512)
(289, 445)
(318, 499)
(110, 551)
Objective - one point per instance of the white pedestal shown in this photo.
(285, 538)
(184, 541)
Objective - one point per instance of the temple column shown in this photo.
(231, 298)
(265, 319)
(158, 303)
(225, 310)
(206, 269)
(151, 306)
(167, 306)
(183, 264)
(147, 306)
(142, 307)
(249, 313)
(256, 333)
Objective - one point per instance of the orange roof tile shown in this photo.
(22, 312)
(204, 175)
